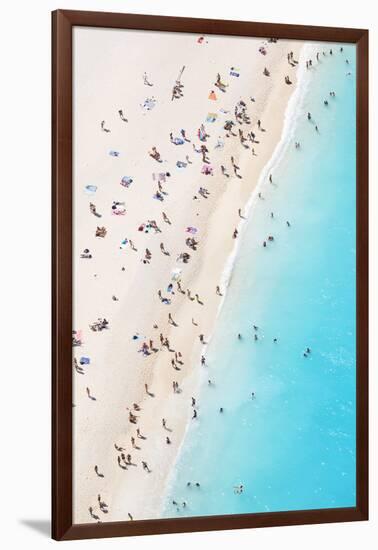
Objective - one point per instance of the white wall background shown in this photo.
(25, 269)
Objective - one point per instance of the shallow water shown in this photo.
(292, 446)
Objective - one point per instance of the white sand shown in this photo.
(109, 65)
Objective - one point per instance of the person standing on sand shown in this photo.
(236, 168)
(93, 210)
(145, 80)
(166, 219)
(139, 435)
(147, 390)
(93, 515)
(165, 252)
(89, 394)
(171, 321)
(97, 472)
(199, 301)
(122, 116)
(121, 465)
(189, 295)
(224, 171)
(145, 466)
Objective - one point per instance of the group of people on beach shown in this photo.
(171, 295)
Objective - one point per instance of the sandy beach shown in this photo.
(114, 283)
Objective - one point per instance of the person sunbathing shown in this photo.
(220, 85)
(101, 232)
(122, 116)
(103, 127)
(155, 154)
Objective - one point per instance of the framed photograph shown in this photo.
(210, 274)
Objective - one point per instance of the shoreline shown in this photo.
(142, 496)
(292, 109)
(190, 464)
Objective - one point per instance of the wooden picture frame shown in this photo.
(63, 22)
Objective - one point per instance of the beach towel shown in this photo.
(148, 104)
(212, 96)
(211, 117)
(178, 141)
(191, 230)
(118, 211)
(160, 177)
(90, 189)
(207, 169)
(234, 72)
(176, 274)
(76, 337)
(126, 181)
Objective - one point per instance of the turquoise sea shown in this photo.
(292, 445)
